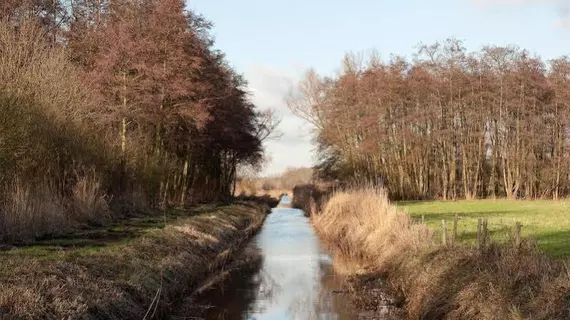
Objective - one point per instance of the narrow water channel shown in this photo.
(295, 279)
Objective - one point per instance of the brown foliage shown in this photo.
(119, 106)
(448, 124)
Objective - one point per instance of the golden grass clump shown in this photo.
(367, 234)
(365, 227)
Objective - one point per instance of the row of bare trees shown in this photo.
(115, 102)
(447, 124)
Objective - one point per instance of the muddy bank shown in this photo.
(231, 288)
(139, 269)
(374, 297)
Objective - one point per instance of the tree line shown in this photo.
(446, 124)
(110, 106)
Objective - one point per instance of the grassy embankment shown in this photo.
(140, 268)
(547, 221)
(370, 237)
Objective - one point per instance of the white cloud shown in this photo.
(269, 87)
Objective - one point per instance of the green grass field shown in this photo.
(546, 221)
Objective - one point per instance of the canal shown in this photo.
(294, 279)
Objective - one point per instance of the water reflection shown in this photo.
(285, 202)
(295, 279)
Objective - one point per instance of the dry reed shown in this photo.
(369, 235)
(27, 212)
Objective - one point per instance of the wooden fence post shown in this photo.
(518, 229)
(479, 224)
(455, 221)
(423, 218)
(485, 233)
(444, 234)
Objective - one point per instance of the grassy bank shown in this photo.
(546, 221)
(140, 268)
(371, 238)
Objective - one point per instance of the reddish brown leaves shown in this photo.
(448, 124)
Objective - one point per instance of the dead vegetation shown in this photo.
(127, 270)
(369, 236)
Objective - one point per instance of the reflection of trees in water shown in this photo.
(231, 299)
(254, 291)
(319, 300)
(267, 289)
(309, 285)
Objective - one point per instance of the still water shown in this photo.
(294, 280)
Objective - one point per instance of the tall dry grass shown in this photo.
(29, 212)
(369, 235)
(48, 151)
(89, 200)
(365, 228)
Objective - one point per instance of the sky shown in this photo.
(273, 42)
